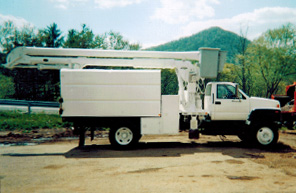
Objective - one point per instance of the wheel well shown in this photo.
(265, 115)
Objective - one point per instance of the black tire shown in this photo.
(266, 136)
(290, 125)
(245, 138)
(124, 136)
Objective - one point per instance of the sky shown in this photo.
(152, 22)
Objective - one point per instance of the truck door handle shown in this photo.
(218, 103)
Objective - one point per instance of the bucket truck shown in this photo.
(129, 101)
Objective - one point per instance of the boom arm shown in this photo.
(56, 58)
(209, 62)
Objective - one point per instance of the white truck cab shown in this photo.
(232, 112)
(224, 101)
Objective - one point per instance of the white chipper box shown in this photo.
(110, 93)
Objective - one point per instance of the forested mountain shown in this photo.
(214, 37)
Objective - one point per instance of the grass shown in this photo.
(10, 121)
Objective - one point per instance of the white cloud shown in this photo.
(62, 6)
(255, 22)
(17, 21)
(102, 4)
(107, 4)
(176, 11)
(65, 4)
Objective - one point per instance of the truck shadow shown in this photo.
(166, 149)
(175, 149)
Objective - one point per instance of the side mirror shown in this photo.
(236, 91)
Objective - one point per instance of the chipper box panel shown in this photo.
(110, 93)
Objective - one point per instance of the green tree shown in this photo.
(135, 46)
(83, 39)
(100, 41)
(243, 69)
(228, 74)
(87, 39)
(169, 82)
(28, 37)
(29, 84)
(273, 56)
(11, 37)
(7, 36)
(71, 41)
(115, 41)
(51, 36)
(6, 86)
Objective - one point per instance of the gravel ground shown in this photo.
(158, 164)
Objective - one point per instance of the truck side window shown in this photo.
(225, 91)
(208, 90)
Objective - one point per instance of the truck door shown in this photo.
(227, 106)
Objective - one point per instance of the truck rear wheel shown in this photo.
(266, 136)
(123, 136)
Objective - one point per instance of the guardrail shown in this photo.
(29, 104)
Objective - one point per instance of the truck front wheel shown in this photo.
(123, 136)
(266, 136)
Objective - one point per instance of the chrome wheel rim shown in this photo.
(123, 136)
(265, 135)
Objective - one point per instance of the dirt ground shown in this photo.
(158, 164)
